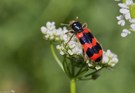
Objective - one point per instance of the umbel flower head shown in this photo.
(126, 19)
(74, 64)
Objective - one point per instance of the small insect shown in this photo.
(89, 43)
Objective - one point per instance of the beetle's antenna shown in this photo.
(64, 24)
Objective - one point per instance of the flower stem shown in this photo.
(72, 85)
(55, 56)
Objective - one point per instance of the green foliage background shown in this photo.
(26, 63)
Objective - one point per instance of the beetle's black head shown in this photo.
(76, 26)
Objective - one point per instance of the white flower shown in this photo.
(125, 17)
(43, 29)
(109, 58)
(51, 33)
(58, 47)
(125, 32)
(62, 53)
(124, 11)
(133, 27)
(132, 21)
(129, 2)
(105, 59)
(50, 25)
(122, 5)
(121, 22)
(120, 17)
(70, 52)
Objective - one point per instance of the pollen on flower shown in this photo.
(125, 17)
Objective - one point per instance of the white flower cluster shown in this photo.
(109, 58)
(51, 33)
(126, 17)
(73, 47)
(70, 48)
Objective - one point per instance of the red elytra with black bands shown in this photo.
(89, 43)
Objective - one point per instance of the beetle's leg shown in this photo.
(84, 55)
(70, 31)
(69, 40)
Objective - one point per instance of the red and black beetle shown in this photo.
(89, 43)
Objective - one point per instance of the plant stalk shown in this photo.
(73, 85)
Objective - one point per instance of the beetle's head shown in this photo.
(76, 26)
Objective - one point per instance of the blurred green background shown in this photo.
(26, 64)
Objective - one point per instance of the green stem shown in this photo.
(80, 70)
(55, 56)
(72, 86)
(81, 73)
(66, 68)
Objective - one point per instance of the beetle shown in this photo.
(89, 43)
